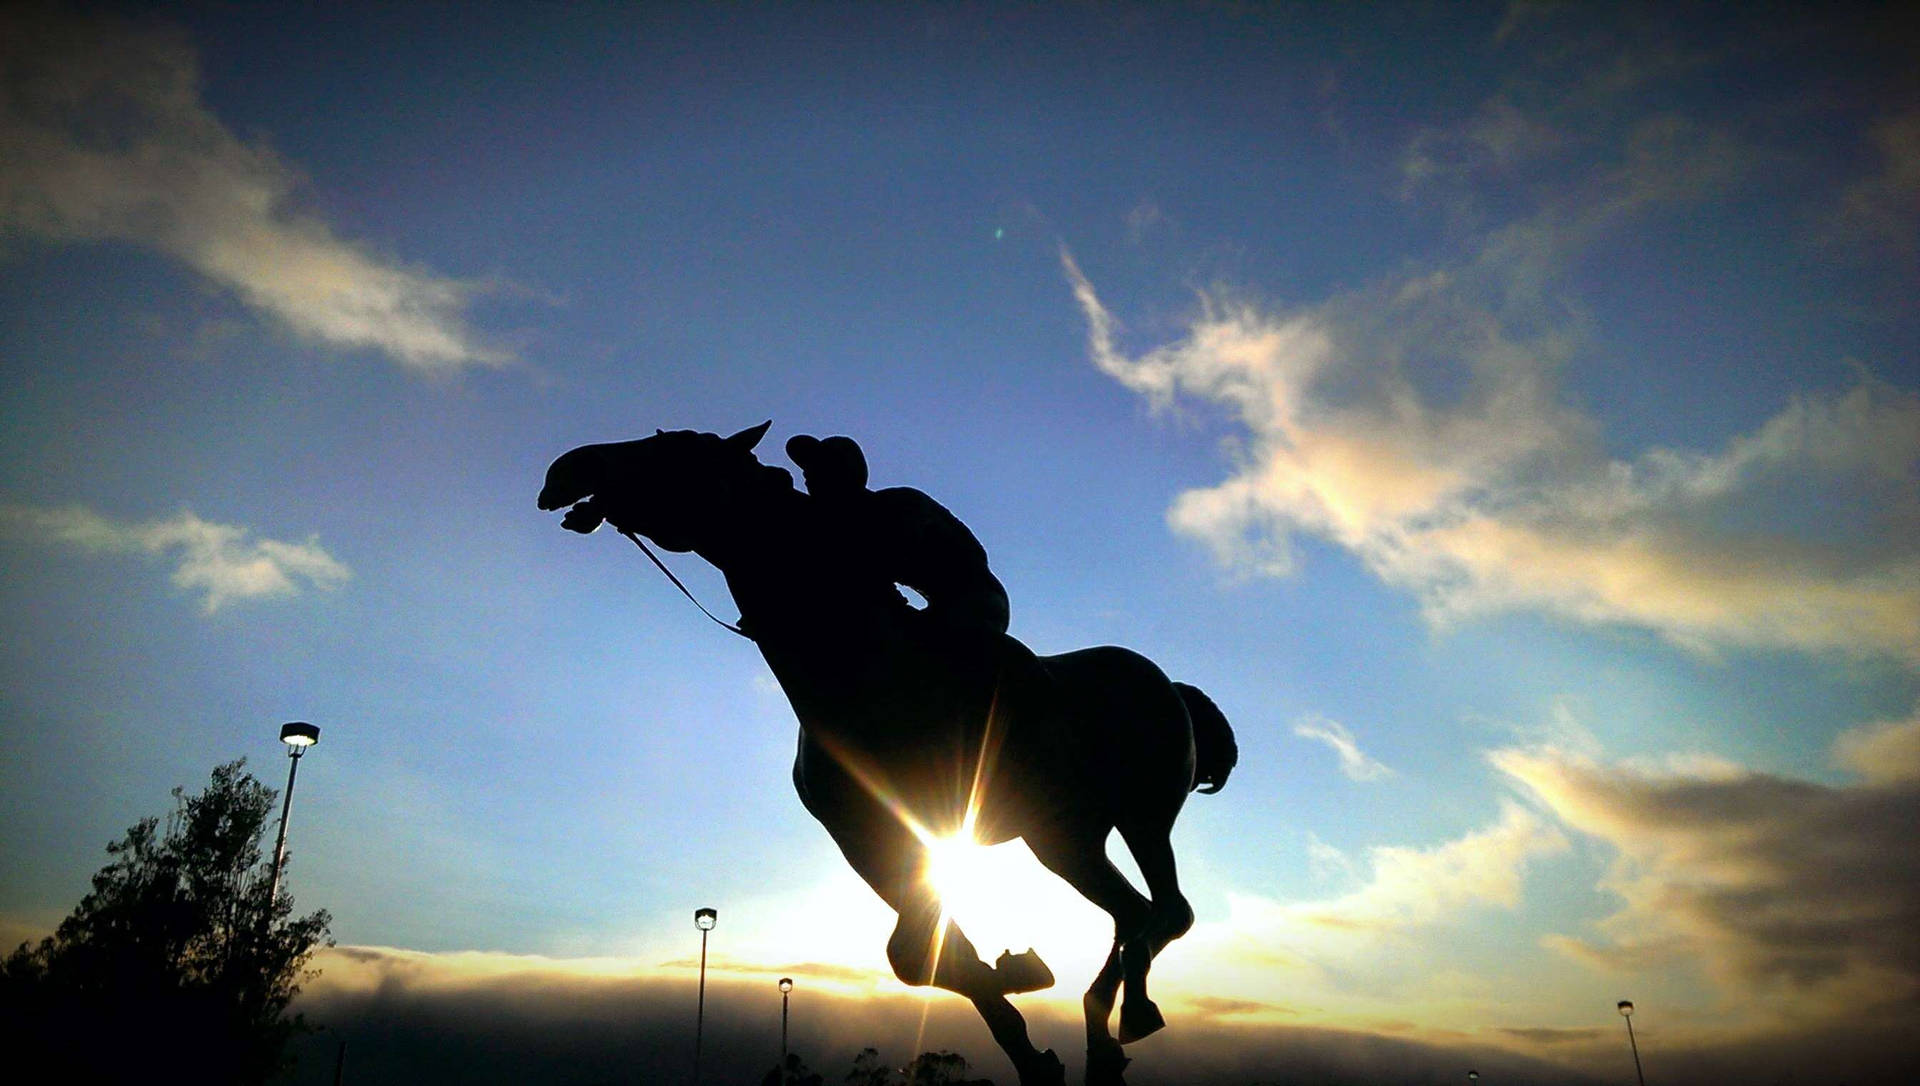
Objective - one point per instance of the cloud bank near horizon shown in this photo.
(1797, 899)
(492, 1018)
(483, 1018)
(104, 137)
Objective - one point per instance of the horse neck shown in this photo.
(802, 597)
(761, 551)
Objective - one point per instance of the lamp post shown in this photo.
(1626, 1012)
(339, 1055)
(298, 736)
(1473, 1076)
(786, 986)
(704, 919)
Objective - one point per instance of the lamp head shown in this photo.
(1626, 1008)
(704, 919)
(786, 984)
(298, 736)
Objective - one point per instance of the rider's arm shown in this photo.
(937, 556)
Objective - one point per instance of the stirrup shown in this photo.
(1023, 972)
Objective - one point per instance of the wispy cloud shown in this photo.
(223, 561)
(1326, 861)
(1422, 421)
(104, 137)
(1415, 887)
(1328, 957)
(1357, 764)
(1883, 754)
(1878, 216)
(1406, 890)
(1419, 423)
(1796, 897)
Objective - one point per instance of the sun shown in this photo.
(962, 874)
(1004, 900)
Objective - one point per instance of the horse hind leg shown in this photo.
(1169, 916)
(1081, 859)
(1105, 1060)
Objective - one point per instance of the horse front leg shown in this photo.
(928, 949)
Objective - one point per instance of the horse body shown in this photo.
(909, 733)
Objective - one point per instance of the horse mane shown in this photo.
(770, 476)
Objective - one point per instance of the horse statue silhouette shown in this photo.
(913, 730)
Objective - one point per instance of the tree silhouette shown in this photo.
(794, 1072)
(941, 1069)
(927, 1069)
(178, 964)
(869, 1071)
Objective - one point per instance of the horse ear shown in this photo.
(746, 439)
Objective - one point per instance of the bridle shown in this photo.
(648, 551)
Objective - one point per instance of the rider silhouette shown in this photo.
(905, 537)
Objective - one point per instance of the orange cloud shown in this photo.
(1798, 899)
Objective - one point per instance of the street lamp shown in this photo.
(298, 736)
(1626, 1012)
(1473, 1076)
(339, 1055)
(786, 986)
(704, 919)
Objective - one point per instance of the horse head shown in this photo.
(673, 487)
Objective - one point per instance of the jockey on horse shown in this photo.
(902, 536)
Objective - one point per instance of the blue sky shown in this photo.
(1508, 414)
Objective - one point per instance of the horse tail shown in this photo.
(1214, 751)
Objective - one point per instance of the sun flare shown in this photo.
(961, 873)
(1003, 899)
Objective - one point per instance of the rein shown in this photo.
(648, 551)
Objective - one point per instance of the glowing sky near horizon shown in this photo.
(1508, 414)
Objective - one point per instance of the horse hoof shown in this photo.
(1044, 1069)
(1023, 972)
(1139, 1018)
(1104, 1064)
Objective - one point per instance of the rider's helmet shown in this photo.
(833, 466)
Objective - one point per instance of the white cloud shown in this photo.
(1412, 887)
(1878, 215)
(103, 137)
(1326, 861)
(1372, 950)
(1886, 754)
(1354, 762)
(1418, 423)
(1406, 889)
(220, 560)
(1797, 898)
